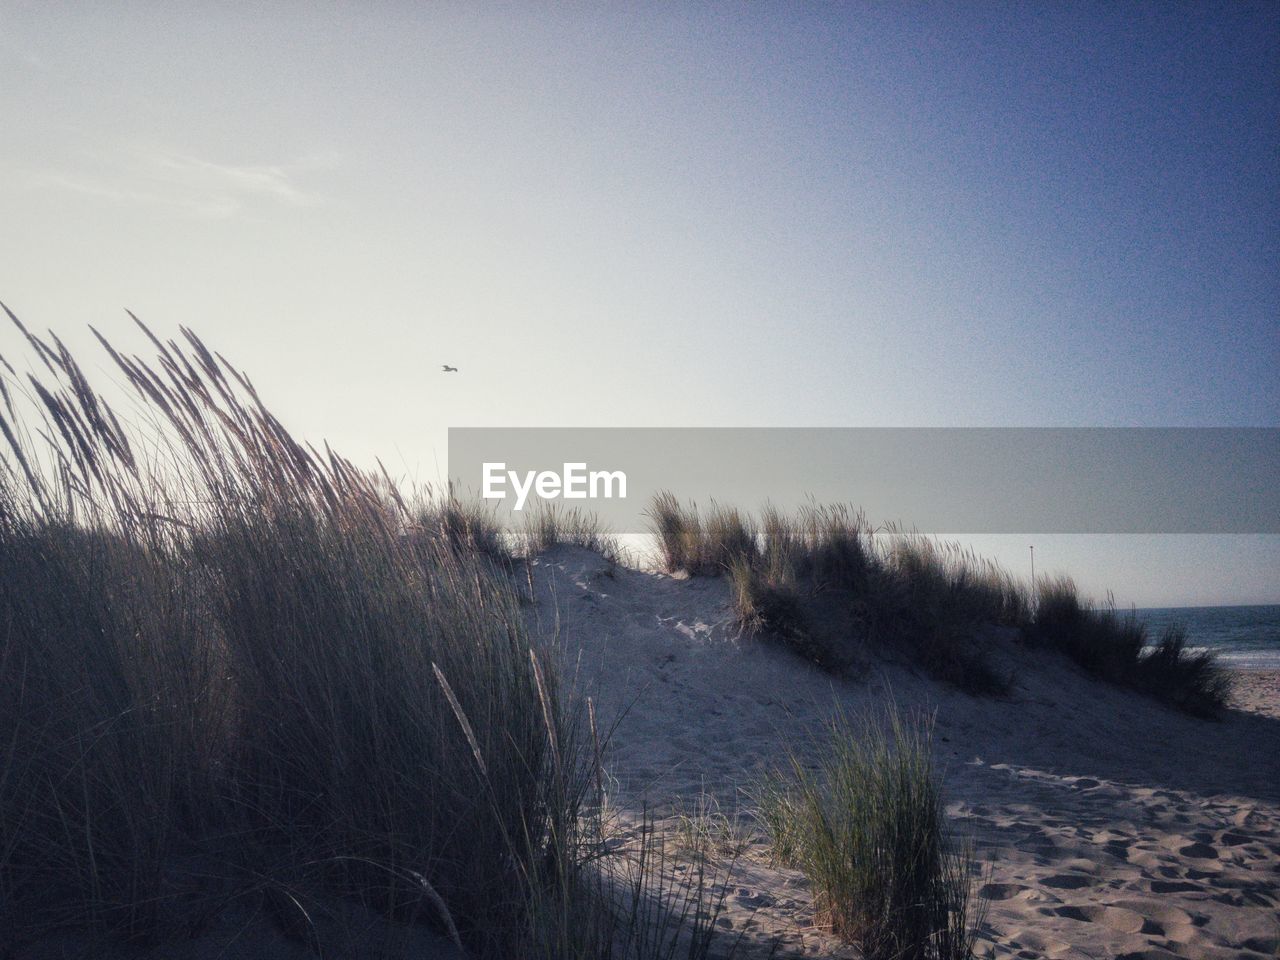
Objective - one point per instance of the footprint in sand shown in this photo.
(1118, 849)
(1211, 874)
(1162, 920)
(1046, 854)
(1268, 946)
(1156, 910)
(1113, 918)
(1066, 881)
(1246, 896)
(1030, 944)
(751, 898)
(1144, 857)
(1077, 865)
(1199, 851)
(1248, 817)
(1003, 891)
(1175, 886)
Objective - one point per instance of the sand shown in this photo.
(1105, 824)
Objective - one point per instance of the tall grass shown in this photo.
(548, 526)
(238, 668)
(691, 543)
(1193, 682)
(827, 585)
(944, 601)
(1104, 642)
(1116, 647)
(467, 526)
(107, 727)
(869, 830)
(470, 527)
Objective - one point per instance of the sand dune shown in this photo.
(1106, 824)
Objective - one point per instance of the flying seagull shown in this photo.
(449, 369)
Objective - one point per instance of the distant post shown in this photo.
(1033, 566)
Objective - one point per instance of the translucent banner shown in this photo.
(935, 480)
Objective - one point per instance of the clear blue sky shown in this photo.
(732, 214)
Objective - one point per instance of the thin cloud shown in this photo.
(262, 181)
(182, 182)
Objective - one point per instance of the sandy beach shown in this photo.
(1105, 824)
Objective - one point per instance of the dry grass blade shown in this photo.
(463, 722)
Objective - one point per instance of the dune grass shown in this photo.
(548, 525)
(829, 586)
(691, 543)
(467, 526)
(868, 829)
(705, 829)
(1191, 681)
(1116, 647)
(238, 670)
(470, 527)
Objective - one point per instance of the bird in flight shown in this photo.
(449, 369)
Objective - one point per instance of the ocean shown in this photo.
(1245, 638)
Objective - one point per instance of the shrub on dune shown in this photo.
(698, 545)
(824, 584)
(821, 583)
(1115, 648)
(1190, 681)
(549, 526)
(466, 527)
(869, 830)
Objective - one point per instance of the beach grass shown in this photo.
(869, 830)
(466, 525)
(829, 586)
(692, 543)
(240, 671)
(1117, 647)
(1191, 681)
(548, 525)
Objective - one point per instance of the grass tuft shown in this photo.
(467, 527)
(548, 526)
(1115, 647)
(869, 830)
(696, 545)
(1190, 681)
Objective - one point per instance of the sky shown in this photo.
(682, 214)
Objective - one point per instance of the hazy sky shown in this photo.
(729, 214)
